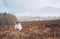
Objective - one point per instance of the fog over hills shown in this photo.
(49, 10)
(45, 11)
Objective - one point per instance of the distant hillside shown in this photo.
(25, 19)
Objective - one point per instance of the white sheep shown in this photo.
(18, 26)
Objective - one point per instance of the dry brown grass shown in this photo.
(31, 30)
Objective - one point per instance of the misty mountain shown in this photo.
(49, 10)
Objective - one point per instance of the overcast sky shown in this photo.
(31, 7)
